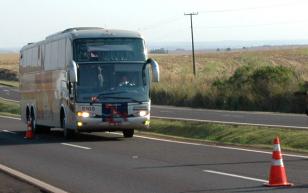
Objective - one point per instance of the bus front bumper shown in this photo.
(115, 124)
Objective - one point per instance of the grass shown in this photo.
(9, 61)
(179, 87)
(292, 139)
(9, 108)
(14, 84)
(217, 65)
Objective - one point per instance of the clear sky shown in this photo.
(25, 21)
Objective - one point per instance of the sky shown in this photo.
(24, 21)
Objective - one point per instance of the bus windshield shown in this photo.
(109, 82)
(109, 49)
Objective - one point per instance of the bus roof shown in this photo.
(95, 32)
(88, 32)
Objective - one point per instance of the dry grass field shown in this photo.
(178, 86)
(217, 65)
(9, 61)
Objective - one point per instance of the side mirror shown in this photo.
(72, 72)
(155, 69)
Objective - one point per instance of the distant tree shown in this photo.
(228, 49)
(159, 51)
(218, 49)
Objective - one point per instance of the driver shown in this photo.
(124, 81)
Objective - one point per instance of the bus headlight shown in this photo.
(79, 124)
(83, 114)
(143, 113)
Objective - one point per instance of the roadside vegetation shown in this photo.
(9, 108)
(14, 84)
(9, 61)
(262, 80)
(253, 136)
(9, 67)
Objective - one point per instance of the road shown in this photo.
(109, 163)
(9, 93)
(230, 117)
(299, 121)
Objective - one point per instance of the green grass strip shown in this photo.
(9, 107)
(14, 84)
(291, 139)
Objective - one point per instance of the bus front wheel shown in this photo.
(128, 133)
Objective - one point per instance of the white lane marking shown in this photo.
(230, 123)
(235, 176)
(162, 111)
(31, 180)
(7, 131)
(198, 144)
(9, 100)
(77, 146)
(217, 146)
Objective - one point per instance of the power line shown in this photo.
(160, 23)
(255, 25)
(176, 18)
(250, 8)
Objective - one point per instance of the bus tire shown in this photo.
(128, 133)
(68, 133)
(37, 129)
(32, 120)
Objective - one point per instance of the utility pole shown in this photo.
(192, 39)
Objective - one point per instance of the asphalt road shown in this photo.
(109, 163)
(9, 93)
(9, 184)
(232, 117)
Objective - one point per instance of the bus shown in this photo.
(87, 79)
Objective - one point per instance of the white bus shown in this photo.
(86, 80)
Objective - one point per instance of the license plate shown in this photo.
(114, 111)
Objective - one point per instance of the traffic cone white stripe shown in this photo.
(277, 162)
(277, 147)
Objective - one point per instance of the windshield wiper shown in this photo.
(114, 97)
(109, 93)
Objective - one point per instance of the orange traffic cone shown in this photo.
(29, 133)
(277, 175)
